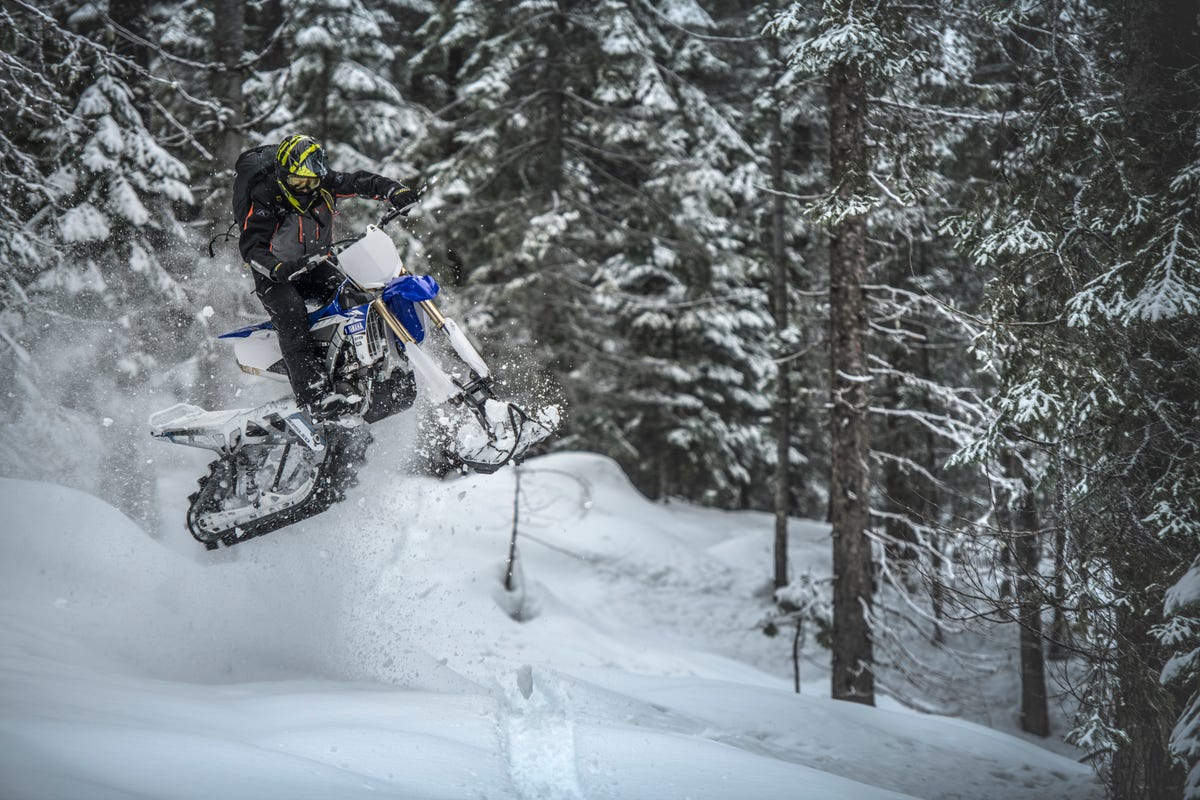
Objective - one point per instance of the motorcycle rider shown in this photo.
(290, 218)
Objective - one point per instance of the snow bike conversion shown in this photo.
(280, 462)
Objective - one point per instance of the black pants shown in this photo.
(285, 304)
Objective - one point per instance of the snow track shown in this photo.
(540, 738)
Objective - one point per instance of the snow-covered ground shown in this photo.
(373, 652)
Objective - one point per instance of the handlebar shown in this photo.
(393, 213)
(338, 246)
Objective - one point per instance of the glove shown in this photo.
(286, 271)
(403, 197)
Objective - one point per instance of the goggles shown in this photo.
(304, 183)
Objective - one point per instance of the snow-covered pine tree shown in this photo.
(691, 286)
(928, 120)
(785, 112)
(104, 285)
(847, 48)
(901, 144)
(38, 60)
(586, 201)
(205, 46)
(335, 83)
(1093, 232)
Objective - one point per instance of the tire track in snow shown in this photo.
(540, 737)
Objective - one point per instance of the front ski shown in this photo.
(485, 434)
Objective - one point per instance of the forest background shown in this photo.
(929, 270)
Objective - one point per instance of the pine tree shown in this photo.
(38, 58)
(1094, 237)
(779, 114)
(335, 83)
(106, 212)
(585, 204)
(709, 315)
(906, 75)
(938, 103)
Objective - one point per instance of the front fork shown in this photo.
(398, 328)
(390, 320)
(476, 392)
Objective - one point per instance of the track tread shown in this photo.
(336, 473)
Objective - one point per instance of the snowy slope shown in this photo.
(371, 652)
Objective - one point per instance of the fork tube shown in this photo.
(432, 312)
(386, 314)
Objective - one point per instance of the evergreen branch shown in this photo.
(157, 49)
(251, 124)
(631, 158)
(789, 195)
(993, 117)
(882, 456)
(802, 352)
(185, 133)
(245, 62)
(107, 55)
(703, 37)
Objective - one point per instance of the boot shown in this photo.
(331, 404)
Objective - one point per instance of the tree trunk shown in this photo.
(554, 164)
(226, 143)
(1142, 766)
(853, 657)
(783, 390)
(1060, 632)
(229, 41)
(1035, 715)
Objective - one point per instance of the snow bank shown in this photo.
(371, 651)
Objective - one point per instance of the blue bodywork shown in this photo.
(399, 296)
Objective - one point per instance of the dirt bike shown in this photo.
(276, 465)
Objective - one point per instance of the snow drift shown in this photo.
(373, 652)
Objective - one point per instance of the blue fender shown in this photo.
(400, 294)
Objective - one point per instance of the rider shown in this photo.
(291, 218)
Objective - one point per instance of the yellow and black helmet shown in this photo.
(300, 166)
(302, 156)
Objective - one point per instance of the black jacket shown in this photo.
(275, 231)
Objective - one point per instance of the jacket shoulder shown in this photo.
(264, 191)
(267, 197)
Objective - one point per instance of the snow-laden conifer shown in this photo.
(1092, 232)
(586, 200)
(100, 247)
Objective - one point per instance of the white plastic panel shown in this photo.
(257, 352)
(372, 261)
(465, 350)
